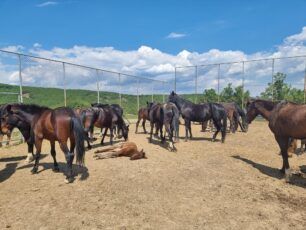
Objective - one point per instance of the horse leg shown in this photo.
(38, 143)
(104, 134)
(189, 129)
(137, 123)
(53, 154)
(218, 127)
(87, 138)
(283, 143)
(69, 159)
(8, 138)
(30, 156)
(111, 135)
(186, 129)
(151, 131)
(162, 138)
(1, 139)
(144, 125)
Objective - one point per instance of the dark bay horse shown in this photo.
(166, 114)
(200, 113)
(116, 109)
(58, 124)
(286, 121)
(232, 115)
(104, 118)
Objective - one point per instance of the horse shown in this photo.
(24, 128)
(164, 114)
(232, 115)
(104, 118)
(286, 121)
(241, 113)
(126, 149)
(58, 124)
(116, 109)
(143, 115)
(200, 113)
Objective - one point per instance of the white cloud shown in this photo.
(174, 35)
(48, 3)
(150, 62)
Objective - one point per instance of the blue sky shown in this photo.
(150, 38)
(248, 26)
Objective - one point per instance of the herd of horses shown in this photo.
(36, 123)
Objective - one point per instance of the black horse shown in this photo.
(200, 113)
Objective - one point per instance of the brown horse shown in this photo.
(286, 120)
(143, 115)
(232, 115)
(126, 149)
(58, 124)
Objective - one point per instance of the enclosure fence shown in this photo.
(54, 83)
(270, 78)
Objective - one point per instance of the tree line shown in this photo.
(278, 90)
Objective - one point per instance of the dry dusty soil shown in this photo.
(203, 185)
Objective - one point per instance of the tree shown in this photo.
(210, 95)
(279, 90)
(227, 94)
(240, 95)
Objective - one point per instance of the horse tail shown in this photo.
(224, 123)
(79, 136)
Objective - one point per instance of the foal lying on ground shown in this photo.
(125, 149)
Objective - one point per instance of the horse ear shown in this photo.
(9, 108)
(172, 93)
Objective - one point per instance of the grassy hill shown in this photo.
(54, 97)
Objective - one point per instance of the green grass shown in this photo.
(54, 97)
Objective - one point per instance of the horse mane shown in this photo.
(30, 108)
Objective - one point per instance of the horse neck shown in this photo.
(265, 109)
(180, 102)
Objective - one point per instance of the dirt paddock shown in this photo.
(203, 185)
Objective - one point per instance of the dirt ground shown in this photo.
(203, 185)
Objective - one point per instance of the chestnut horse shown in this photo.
(143, 115)
(286, 121)
(125, 149)
(58, 124)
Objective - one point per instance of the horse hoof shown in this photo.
(29, 159)
(56, 170)
(68, 180)
(282, 171)
(34, 170)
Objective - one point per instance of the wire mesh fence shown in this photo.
(56, 83)
(271, 78)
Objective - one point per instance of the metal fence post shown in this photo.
(272, 79)
(242, 98)
(164, 91)
(98, 86)
(218, 83)
(138, 94)
(175, 79)
(152, 99)
(20, 80)
(64, 82)
(305, 83)
(120, 101)
(196, 84)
